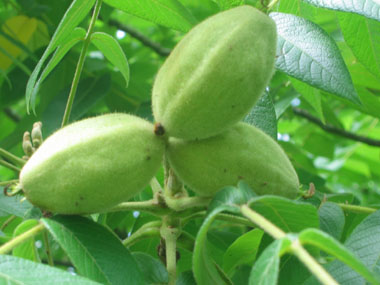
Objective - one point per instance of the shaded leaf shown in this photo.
(333, 247)
(112, 51)
(243, 250)
(289, 215)
(306, 52)
(263, 116)
(27, 249)
(266, 268)
(331, 219)
(96, 252)
(152, 269)
(13, 206)
(169, 13)
(18, 271)
(73, 16)
(363, 37)
(204, 268)
(368, 8)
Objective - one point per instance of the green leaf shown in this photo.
(367, 8)
(78, 34)
(228, 4)
(204, 268)
(306, 52)
(73, 16)
(95, 252)
(243, 250)
(331, 246)
(290, 216)
(13, 206)
(152, 269)
(263, 116)
(363, 37)
(364, 242)
(168, 13)
(230, 197)
(266, 268)
(27, 249)
(331, 219)
(112, 51)
(311, 95)
(18, 271)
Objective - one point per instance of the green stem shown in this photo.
(221, 216)
(155, 185)
(272, 4)
(262, 222)
(296, 248)
(170, 231)
(5, 183)
(7, 222)
(150, 206)
(12, 158)
(357, 209)
(80, 64)
(48, 249)
(183, 203)
(10, 166)
(148, 230)
(314, 267)
(7, 247)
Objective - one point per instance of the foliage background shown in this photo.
(337, 159)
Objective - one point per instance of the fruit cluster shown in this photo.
(210, 81)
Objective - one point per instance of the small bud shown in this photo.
(37, 134)
(27, 144)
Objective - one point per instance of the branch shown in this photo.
(334, 130)
(140, 37)
(12, 115)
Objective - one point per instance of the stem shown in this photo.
(7, 222)
(170, 231)
(80, 64)
(183, 203)
(150, 206)
(174, 186)
(5, 183)
(148, 230)
(48, 249)
(155, 185)
(296, 248)
(262, 222)
(357, 209)
(323, 276)
(272, 4)
(5, 248)
(10, 166)
(221, 216)
(12, 158)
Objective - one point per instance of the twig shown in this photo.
(10, 166)
(12, 115)
(80, 64)
(142, 38)
(357, 209)
(11, 158)
(7, 247)
(7, 222)
(334, 130)
(296, 248)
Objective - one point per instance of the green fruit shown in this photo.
(215, 74)
(242, 152)
(93, 164)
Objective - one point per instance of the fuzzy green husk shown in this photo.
(92, 165)
(242, 152)
(215, 74)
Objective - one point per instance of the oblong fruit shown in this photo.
(215, 74)
(242, 152)
(92, 165)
